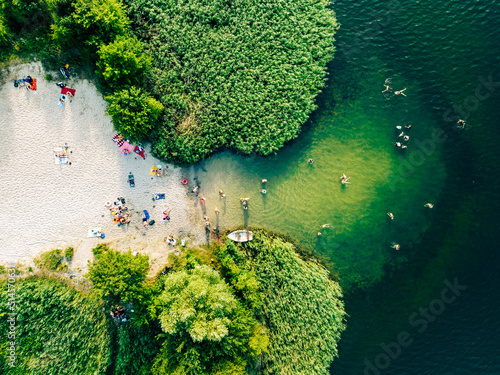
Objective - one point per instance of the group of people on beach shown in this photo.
(120, 212)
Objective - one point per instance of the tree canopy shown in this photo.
(118, 276)
(234, 74)
(122, 63)
(208, 330)
(134, 112)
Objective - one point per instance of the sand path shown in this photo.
(45, 206)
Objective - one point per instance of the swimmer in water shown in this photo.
(325, 226)
(396, 246)
(402, 134)
(429, 205)
(310, 161)
(391, 215)
(345, 181)
(406, 137)
(404, 146)
(387, 88)
(400, 92)
(408, 126)
(263, 191)
(397, 144)
(399, 127)
(460, 124)
(264, 180)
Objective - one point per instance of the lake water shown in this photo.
(447, 56)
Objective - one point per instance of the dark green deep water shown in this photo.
(447, 55)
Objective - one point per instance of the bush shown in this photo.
(27, 16)
(240, 74)
(123, 63)
(50, 260)
(134, 112)
(68, 253)
(302, 307)
(91, 23)
(137, 348)
(58, 330)
(118, 277)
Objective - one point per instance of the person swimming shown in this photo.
(461, 124)
(391, 215)
(310, 161)
(264, 180)
(244, 202)
(396, 246)
(429, 205)
(408, 126)
(406, 137)
(400, 92)
(387, 88)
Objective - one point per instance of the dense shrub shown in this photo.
(50, 260)
(302, 307)
(4, 31)
(91, 23)
(58, 330)
(134, 112)
(118, 277)
(122, 63)
(208, 331)
(239, 74)
(137, 347)
(27, 16)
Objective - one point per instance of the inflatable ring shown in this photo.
(108, 204)
(184, 182)
(263, 191)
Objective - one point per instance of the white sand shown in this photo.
(45, 206)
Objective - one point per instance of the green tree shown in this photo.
(208, 331)
(134, 112)
(4, 31)
(122, 62)
(91, 23)
(27, 16)
(119, 277)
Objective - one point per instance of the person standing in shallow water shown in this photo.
(310, 161)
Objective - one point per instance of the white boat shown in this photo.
(241, 236)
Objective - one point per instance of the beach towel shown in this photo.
(118, 139)
(146, 214)
(126, 148)
(139, 150)
(94, 232)
(153, 171)
(159, 196)
(164, 215)
(65, 91)
(33, 84)
(62, 100)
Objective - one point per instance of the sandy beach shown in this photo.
(45, 206)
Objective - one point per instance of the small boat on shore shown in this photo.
(241, 236)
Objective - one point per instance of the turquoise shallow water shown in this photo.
(447, 56)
